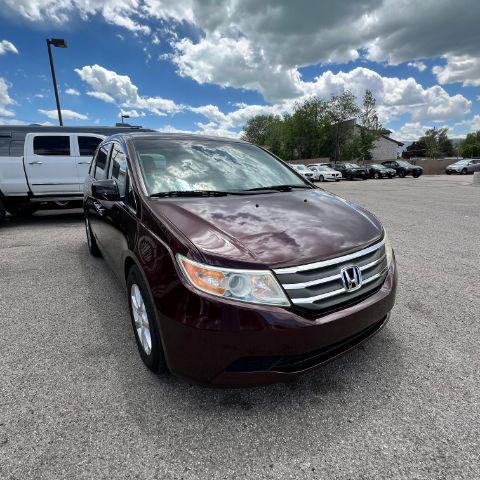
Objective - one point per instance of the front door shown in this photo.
(49, 164)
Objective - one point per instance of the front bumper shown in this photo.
(214, 341)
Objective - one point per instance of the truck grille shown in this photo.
(320, 287)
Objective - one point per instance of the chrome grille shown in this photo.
(317, 287)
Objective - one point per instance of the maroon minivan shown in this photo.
(237, 270)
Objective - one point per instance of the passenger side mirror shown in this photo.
(106, 190)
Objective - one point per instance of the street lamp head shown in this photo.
(58, 42)
(125, 116)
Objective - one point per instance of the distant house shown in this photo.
(385, 148)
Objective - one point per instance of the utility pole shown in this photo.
(56, 42)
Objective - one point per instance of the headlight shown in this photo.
(388, 250)
(253, 286)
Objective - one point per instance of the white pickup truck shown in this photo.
(40, 166)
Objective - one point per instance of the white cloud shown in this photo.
(410, 131)
(420, 66)
(132, 113)
(66, 114)
(463, 68)
(72, 91)
(107, 84)
(5, 98)
(6, 46)
(6, 113)
(105, 97)
(124, 13)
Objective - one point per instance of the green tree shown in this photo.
(342, 108)
(371, 128)
(259, 127)
(470, 146)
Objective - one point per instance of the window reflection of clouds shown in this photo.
(209, 165)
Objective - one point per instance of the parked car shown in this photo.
(324, 173)
(377, 170)
(45, 166)
(234, 275)
(304, 171)
(350, 171)
(404, 168)
(463, 167)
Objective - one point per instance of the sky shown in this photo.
(207, 66)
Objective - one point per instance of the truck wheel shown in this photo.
(142, 313)
(91, 242)
(21, 211)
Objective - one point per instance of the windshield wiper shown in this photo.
(279, 188)
(195, 193)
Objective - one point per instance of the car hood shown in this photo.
(270, 230)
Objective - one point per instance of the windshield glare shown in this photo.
(185, 165)
(404, 164)
(461, 162)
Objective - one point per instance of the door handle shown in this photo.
(99, 208)
(84, 163)
(35, 162)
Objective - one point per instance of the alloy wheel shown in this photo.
(140, 317)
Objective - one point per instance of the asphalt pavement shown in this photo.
(76, 401)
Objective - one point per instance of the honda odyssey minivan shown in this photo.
(237, 270)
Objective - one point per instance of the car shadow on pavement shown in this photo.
(44, 218)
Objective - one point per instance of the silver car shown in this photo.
(468, 165)
(303, 171)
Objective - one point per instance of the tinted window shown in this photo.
(88, 145)
(101, 163)
(119, 168)
(168, 165)
(51, 145)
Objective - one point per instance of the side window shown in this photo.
(101, 163)
(119, 168)
(51, 145)
(88, 145)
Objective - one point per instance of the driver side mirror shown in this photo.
(106, 190)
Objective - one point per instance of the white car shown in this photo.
(324, 173)
(303, 171)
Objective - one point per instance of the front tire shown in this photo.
(376, 175)
(91, 242)
(321, 179)
(401, 173)
(464, 171)
(142, 314)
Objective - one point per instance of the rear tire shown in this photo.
(22, 211)
(91, 242)
(142, 314)
(401, 173)
(3, 212)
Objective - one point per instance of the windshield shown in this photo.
(192, 165)
(302, 168)
(351, 165)
(404, 164)
(461, 162)
(378, 165)
(324, 168)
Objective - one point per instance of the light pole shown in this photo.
(124, 116)
(60, 43)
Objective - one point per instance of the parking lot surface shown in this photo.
(76, 401)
